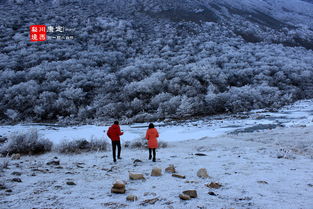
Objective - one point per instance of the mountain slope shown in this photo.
(144, 60)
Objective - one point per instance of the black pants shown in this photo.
(118, 144)
(154, 155)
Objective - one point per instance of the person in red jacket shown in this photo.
(151, 136)
(114, 134)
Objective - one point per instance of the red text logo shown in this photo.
(38, 33)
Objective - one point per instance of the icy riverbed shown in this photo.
(298, 114)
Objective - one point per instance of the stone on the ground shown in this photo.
(8, 190)
(203, 173)
(137, 161)
(214, 185)
(212, 194)
(178, 176)
(191, 193)
(3, 139)
(118, 187)
(16, 180)
(200, 154)
(149, 201)
(71, 183)
(136, 176)
(2, 186)
(15, 173)
(16, 156)
(131, 198)
(262, 182)
(156, 172)
(170, 169)
(53, 162)
(149, 193)
(184, 197)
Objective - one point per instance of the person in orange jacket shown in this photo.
(152, 135)
(114, 134)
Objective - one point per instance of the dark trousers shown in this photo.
(118, 145)
(154, 155)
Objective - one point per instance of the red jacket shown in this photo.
(114, 132)
(152, 135)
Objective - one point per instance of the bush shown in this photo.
(82, 145)
(142, 144)
(26, 143)
(4, 164)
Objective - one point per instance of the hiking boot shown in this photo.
(154, 160)
(150, 157)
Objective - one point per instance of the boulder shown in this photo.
(136, 176)
(178, 176)
(184, 197)
(203, 173)
(170, 169)
(118, 187)
(156, 172)
(118, 191)
(16, 156)
(131, 198)
(191, 193)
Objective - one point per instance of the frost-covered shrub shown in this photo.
(4, 164)
(142, 144)
(81, 145)
(26, 143)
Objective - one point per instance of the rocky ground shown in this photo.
(248, 170)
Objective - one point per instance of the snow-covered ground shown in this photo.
(266, 168)
(253, 174)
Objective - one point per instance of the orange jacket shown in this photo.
(151, 136)
(114, 132)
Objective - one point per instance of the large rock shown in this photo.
(156, 172)
(191, 193)
(184, 197)
(131, 198)
(16, 156)
(118, 187)
(203, 173)
(170, 169)
(136, 176)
